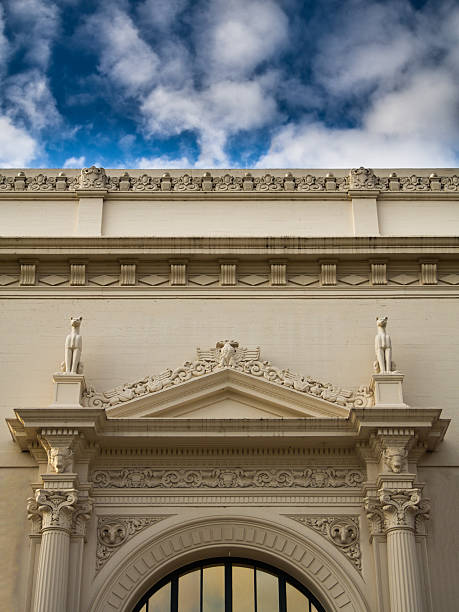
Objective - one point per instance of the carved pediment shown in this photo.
(228, 381)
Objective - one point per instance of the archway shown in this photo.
(146, 562)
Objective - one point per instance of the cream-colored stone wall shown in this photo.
(314, 329)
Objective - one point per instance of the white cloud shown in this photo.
(37, 24)
(127, 59)
(241, 34)
(75, 162)
(29, 98)
(222, 109)
(17, 147)
(160, 13)
(163, 161)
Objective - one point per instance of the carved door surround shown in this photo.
(122, 471)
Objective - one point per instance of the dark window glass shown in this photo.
(228, 585)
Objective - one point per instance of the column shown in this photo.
(56, 508)
(400, 507)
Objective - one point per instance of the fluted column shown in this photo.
(400, 507)
(56, 509)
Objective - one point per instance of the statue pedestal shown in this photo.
(388, 390)
(68, 390)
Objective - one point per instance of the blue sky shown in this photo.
(229, 83)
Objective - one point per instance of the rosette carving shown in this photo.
(242, 360)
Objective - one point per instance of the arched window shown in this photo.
(228, 585)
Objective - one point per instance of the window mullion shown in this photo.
(282, 595)
(228, 587)
(174, 594)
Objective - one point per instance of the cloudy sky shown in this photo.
(229, 83)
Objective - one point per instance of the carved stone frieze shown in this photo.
(222, 478)
(342, 531)
(55, 507)
(357, 179)
(243, 360)
(114, 531)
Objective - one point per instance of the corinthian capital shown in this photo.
(81, 516)
(400, 506)
(56, 507)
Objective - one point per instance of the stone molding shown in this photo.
(219, 478)
(114, 531)
(357, 179)
(245, 360)
(341, 530)
(118, 588)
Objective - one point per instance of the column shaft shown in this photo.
(53, 569)
(404, 579)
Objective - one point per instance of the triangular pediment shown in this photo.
(233, 385)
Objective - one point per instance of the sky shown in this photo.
(229, 83)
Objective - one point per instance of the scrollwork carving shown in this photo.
(93, 178)
(220, 478)
(342, 531)
(114, 531)
(243, 360)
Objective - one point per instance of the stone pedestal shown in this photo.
(388, 390)
(68, 390)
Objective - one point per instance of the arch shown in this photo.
(334, 584)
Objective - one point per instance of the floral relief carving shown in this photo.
(114, 531)
(358, 178)
(223, 478)
(397, 508)
(244, 360)
(342, 531)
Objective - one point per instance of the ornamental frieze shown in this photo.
(357, 178)
(342, 531)
(228, 354)
(221, 478)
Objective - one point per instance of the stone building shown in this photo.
(236, 435)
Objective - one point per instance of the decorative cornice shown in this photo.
(241, 360)
(160, 182)
(341, 530)
(230, 478)
(114, 531)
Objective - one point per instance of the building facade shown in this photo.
(229, 390)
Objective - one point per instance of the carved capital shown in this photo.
(56, 507)
(34, 515)
(400, 507)
(375, 515)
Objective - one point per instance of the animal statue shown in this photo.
(383, 348)
(227, 353)
(73, 346)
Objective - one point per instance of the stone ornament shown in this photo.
(383, 348)
(92, 178)
(55, 507)
(395, 458)
(95, 178)
(73, 346)
(81, 516)
(242, 360)
(342, 531)
(397, 508)
(114, 531)
(221, 478)
(60, 458)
